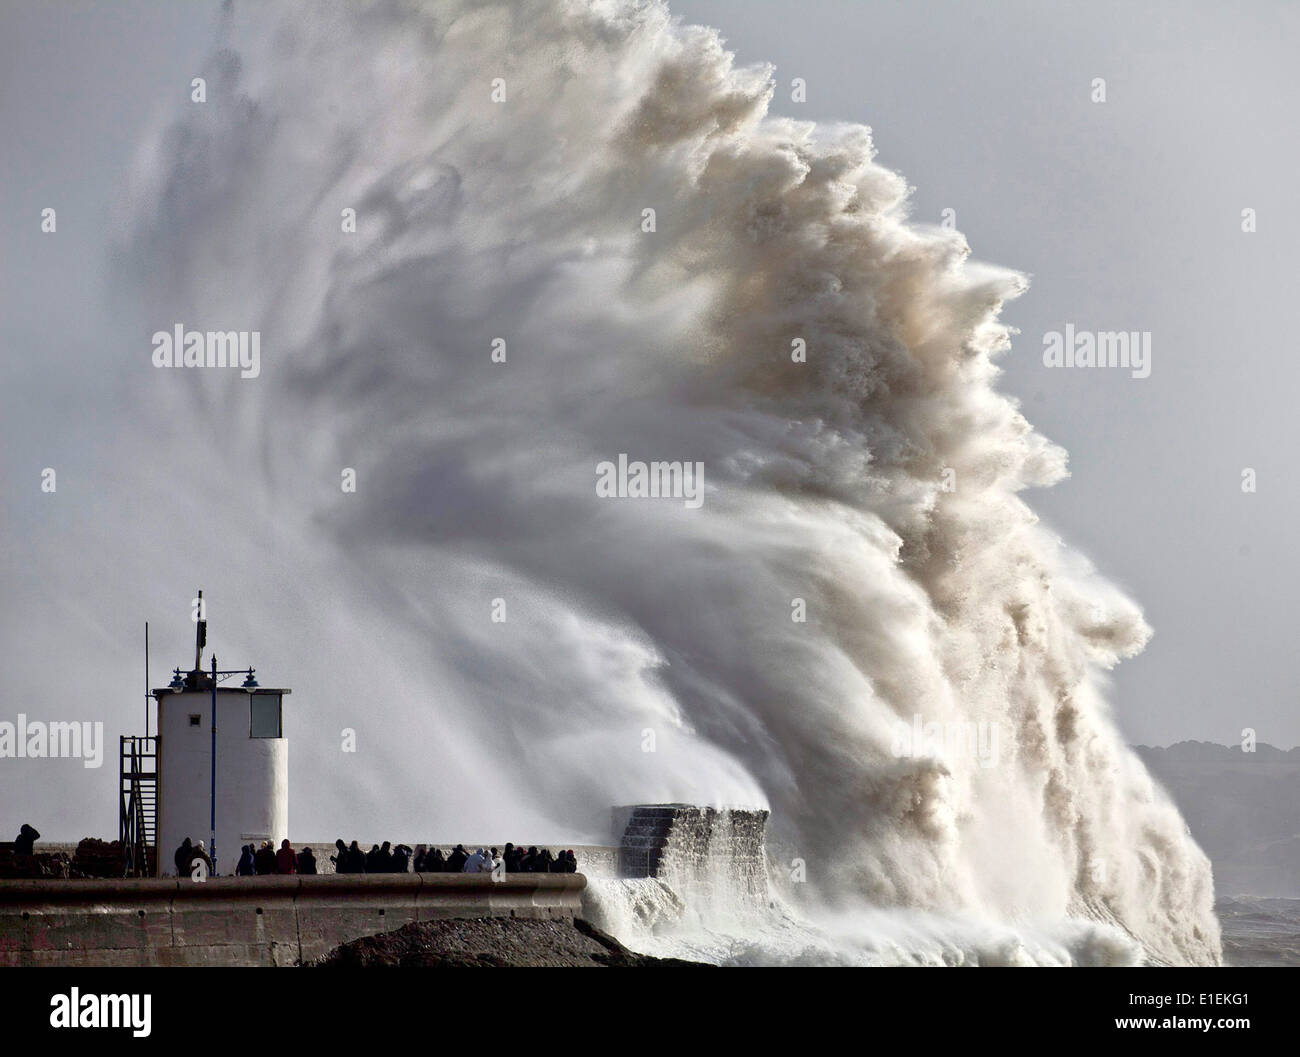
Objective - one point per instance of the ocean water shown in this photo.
(648, 916)
(1259, 930)
(716, 897)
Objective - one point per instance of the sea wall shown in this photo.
(250, 920)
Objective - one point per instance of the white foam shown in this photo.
(633, 623)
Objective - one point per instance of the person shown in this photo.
(434, 862)
(510, 858)
(356, 859)
(456, 860)
(264, 859)
(385, 859)
(245, 867)
(528, 861)
(571, 862)
(401, 858)
(340, 860)
(199, 853)
(474, 863)
(285, 860)
(492, 862)
(182, 858)
(372, 859)
(27, 836)
(418, 863)
(306, 861)
(542, 861)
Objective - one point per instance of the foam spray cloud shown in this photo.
(878, 481)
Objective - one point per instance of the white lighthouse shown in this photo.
(211, 724)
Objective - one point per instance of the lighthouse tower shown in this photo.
(223, 762)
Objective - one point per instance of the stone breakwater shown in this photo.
(251, 920)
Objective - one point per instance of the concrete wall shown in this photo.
(252, 777)
(250, 920)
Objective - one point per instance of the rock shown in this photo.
(39, 865)
(491, 942)
(98, 858)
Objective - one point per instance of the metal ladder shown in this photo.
(138, 802)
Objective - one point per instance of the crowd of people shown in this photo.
(429, 859)
(252, 859)
(266, 860)
(381, 859)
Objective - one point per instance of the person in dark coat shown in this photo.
(245, 867)
(385, 858)
(401, 858)
(306, 861)
(264, 860)
(286, 862)
(373, 860)
(340, 860)
(543, 861)
(510, 858)
(528, 861)
(27, 836)
(356, 859)
(456, 860)
(199, 853)
(434, 862)
(417, 863)
(182, 857)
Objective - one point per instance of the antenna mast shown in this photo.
(200, 634)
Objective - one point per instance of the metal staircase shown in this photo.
(138, 803)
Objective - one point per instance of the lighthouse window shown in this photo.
(264, 718)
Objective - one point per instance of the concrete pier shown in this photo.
(250, 920)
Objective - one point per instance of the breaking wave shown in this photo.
(877, 484)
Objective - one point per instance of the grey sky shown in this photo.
(1126, 215)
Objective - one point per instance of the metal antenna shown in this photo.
(200, 634)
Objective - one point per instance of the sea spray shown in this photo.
(391, 194)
